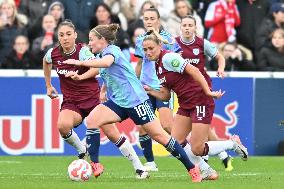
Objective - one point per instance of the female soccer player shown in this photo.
(79, 98)
(195, 50)
(126, 95)
(195, 100)
(145, 70)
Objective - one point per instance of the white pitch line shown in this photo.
(3, 161)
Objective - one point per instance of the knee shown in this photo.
(91, 123)
(197, 150)
(63, 128)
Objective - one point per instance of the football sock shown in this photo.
(73, 139)
(197, 160)
(216, 147)
(206, 158)
(127, 151)
(146, 144)
(177, 151)
(93, 144)
(223, 155)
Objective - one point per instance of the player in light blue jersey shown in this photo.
(80, 98)
(145, 70)
(126, 95)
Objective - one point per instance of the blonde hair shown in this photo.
(156, 37)
(106, 31)
(21, 19)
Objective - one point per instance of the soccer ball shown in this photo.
(79, 170)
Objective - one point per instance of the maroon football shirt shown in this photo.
(71, 89)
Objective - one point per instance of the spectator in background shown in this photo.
(238, 58)
(11, 25)
(222, 17)
(34, 10)
(252, 13)
(274, 21)
(124, 9)
(164, 7)
(272, 58)
(47, 39)
(138, 23)
(81, 13)
(56, 9)
(103, 16)
(182, 8)
(20, 57)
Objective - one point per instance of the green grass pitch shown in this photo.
(50, 172)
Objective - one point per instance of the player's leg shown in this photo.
(226, 159)
(143, 115)
(199, 136)
(125, 148)
(100, 115)
(66, 121)
(180, 131)
(146, 143)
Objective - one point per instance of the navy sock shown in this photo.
(146, 144)
(177, 151)
(93, 144)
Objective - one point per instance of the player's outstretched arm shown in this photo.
(103, 62)
(92, 72)
(163, 94)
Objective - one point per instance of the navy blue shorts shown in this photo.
(156, 103)
(140, 114)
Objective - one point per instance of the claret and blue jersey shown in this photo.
(148, 74)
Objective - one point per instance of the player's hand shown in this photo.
(51, 92)
(216, 94)
(73, 62)
(73, 75)
(221, 73)
(103, 97)
(147, 88)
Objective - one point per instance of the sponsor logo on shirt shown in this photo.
(63, 72)
(193, 60)
(175, 63)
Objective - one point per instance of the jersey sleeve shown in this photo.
(173, 46)
(210, 49)
(112, 50)
(139, 52)
(174, 62)
(85, 54)
(47, 56)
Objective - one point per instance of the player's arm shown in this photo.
(103, 97)
(50, 90)
(211, 50)
(138, 67)
(104, 62)
(175, 63)
(163, 94)
(92, 72)
(221, 65)
(197, 76)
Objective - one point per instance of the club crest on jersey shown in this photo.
(160, 70)
(175, 63)
(195, 51)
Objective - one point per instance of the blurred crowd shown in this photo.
(249, 33)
